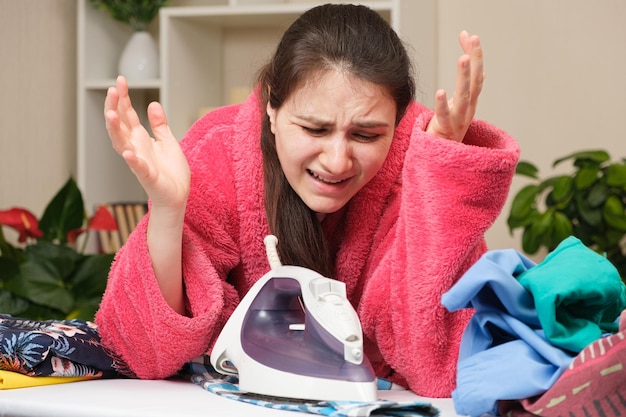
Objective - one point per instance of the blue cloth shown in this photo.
(203, 374)
(504, 353)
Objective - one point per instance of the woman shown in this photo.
(331, 154)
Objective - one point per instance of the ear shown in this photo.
(271, 113)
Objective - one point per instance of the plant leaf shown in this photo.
(527, 169)
(598, 194)
(547, 183)
(10, 304)
(135, 13)
(90, 277)
(40, 283)
(562, 189)
(586, 176)
(538, 233)
(613, 238)
(562, 228)
(8, 269)
(614, 214)
(66, 211)
(530, 241)
(63, 258)
(616, 175)
(88, 283)
(591, 215)
(598, 156)
(85, 309)
(522, 206)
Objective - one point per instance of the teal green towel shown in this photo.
(578, 295)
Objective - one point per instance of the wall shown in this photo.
(556, 76)
(555, 80)
(37, 100)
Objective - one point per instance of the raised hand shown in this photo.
(158, 162)
(453, 117)
(162, 169)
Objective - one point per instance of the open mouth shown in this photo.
(324, 180)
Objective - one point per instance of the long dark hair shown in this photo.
(350, 38)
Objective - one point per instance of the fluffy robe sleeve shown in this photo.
(431, 231)
(134, 319)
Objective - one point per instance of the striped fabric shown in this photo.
(594, 385)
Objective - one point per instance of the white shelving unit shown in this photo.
(208, 49)
(236, 42)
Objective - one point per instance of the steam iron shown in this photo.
(295, 335)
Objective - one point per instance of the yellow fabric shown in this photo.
(10, 380)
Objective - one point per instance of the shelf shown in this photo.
(254, 15)
(236, 41)
(104, 84)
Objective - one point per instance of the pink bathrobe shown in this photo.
(401, 242)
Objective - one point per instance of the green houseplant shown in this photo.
(588, 203)
(44, 276)
(136, 13)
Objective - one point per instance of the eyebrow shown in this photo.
(321, 122)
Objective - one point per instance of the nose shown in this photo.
(336, 155)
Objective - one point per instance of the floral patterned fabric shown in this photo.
(67, 348)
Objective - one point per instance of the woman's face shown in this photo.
(332, 136)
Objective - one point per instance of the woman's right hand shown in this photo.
(158, 162)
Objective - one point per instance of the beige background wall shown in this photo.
(37, 99)
(556, 75)
(556, 80)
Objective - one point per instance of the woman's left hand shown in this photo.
(453, 117)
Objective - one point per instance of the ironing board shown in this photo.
(139, 398)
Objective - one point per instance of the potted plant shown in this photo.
(45, 276)
(139, 59)
(588, 203)
(136, 13)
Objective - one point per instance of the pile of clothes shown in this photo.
(545, 338)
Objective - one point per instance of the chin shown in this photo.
(325, 208)
(325, 204)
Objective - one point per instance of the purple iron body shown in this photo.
(296, 335)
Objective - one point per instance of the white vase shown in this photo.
(140, 57)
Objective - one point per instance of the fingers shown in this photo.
(470, 77)
(453, 117)
(122, 122)
(111, 116)
(125, 109)
(442, 110)
(470, 70)
(477, 70)
(144, 155)
(158, 122)
(473, 49)
(462, 98)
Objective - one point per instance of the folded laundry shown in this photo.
(55, 348)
